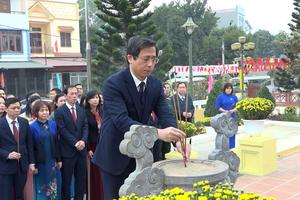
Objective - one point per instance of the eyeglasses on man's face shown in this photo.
(146, 59)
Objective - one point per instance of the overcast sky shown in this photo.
(271, 15)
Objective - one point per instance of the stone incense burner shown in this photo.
(152, 178)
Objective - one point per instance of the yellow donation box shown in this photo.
(257, 155)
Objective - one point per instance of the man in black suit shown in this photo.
(16, 152)
(73, 131)
(186, 109)
(129, 98)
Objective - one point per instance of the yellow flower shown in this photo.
(217, 195)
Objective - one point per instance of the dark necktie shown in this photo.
(73, 114)
(16, 131)
(141, 92)
(17, 138)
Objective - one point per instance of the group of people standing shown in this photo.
(45, 155)
(55, 147)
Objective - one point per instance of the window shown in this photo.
(65, 39)
(78, 77)
(10, 41)
(36, 40)
(5, 6)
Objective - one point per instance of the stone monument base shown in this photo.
(177, 175)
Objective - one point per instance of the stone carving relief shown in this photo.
(145, 179)
(225, 126)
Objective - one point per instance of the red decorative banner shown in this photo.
(261, 65)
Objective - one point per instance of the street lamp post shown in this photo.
(241, 47)
(189, 26)
(88, 47)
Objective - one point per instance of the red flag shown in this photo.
(259, 61)
(56, 46)
(2, 82)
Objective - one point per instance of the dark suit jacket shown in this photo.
(69, 132)
(121, 110)
(93, 128)
(38, 143)
(9, 144)
(182, 107)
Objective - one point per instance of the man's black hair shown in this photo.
(10, 101)
(57, 90)
(137, 43)
(67, 88)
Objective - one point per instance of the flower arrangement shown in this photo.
(189, 128)
(205, 121)
(255, 108)
(202, 191)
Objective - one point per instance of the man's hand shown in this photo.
(170, 134)
(80, 145)
(187, 151)
(14, 156)
(187, 114)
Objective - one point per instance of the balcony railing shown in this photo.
(287, 98)
(41, 50)
(36, 50)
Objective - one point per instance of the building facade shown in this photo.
(233, 17)
(18, 73)
(55, 40)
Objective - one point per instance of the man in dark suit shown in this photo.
(129, 98)
(16, 152)
(73, 131)
(185, 111)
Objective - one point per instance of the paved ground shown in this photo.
(284, 184)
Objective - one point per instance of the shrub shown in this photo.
(290, 117)
(264, 92)
(290, 110)
(189, 128)
(210, 108)
(202, 191)
(200, 127)
(255, 108)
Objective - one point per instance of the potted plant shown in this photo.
(254, 111)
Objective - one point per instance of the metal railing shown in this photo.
(287, 98)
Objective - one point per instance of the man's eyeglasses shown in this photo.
(154, 60)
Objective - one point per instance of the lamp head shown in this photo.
(251, 45)
(236, 46)
(242, 39)
(189, 26)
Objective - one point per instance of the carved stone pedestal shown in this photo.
(176, 175)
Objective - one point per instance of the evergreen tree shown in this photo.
(293, 45)
(122, 20)
(170, 18)
(264, 92)
(295, 25)
(293, 49)
(210, 108)
(284, 80)
(94, 24)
